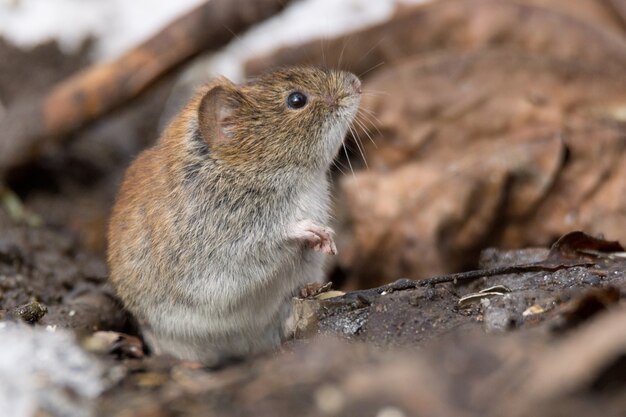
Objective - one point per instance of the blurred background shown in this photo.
(484, 123)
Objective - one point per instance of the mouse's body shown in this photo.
(220, 223)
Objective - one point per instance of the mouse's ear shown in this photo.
(215, 114)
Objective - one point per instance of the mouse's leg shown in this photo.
(314, 236)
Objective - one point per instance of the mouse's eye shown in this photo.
(296, 100)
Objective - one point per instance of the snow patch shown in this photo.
(42, 370)
(117, 25)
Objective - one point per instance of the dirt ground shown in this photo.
(538, 331)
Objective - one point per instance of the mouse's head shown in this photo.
(291, 117)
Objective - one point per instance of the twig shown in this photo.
(409, 284)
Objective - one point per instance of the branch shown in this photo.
(410, 284)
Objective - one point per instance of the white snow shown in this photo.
(45, 370)
(117, 25)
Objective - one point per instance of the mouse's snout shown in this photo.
(355, 83)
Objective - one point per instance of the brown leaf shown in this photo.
(116, 344)
(577, 246)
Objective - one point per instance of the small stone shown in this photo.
(329, 399)
(532, 310)
(30, 313)
(390, 412)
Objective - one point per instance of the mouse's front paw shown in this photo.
(314, 236)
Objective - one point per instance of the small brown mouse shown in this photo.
(219, 224)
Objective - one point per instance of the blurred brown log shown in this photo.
(29, 125)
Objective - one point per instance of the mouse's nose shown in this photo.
(355, 83)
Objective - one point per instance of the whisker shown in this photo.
(375, 93)
(369, 51)
(370, 134)
(357, 141)
(365, 130)
(336, 163)
(369, 115)
(366, 110)
(348, 159)
(372, 69)
(343, 48)
(236, 36)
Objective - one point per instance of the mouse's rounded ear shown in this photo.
(216, 112)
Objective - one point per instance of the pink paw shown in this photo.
(316, 237)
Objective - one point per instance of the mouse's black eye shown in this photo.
(296, 100)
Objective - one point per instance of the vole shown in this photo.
(219, 224)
